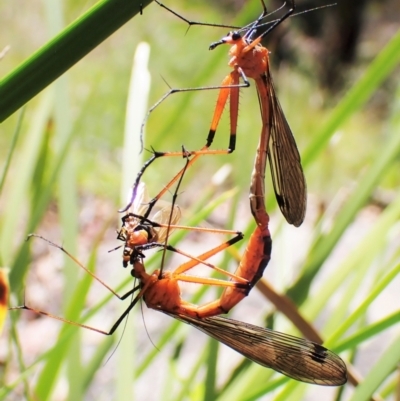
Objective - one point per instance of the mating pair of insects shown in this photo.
(297, 358)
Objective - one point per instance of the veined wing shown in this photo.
(295, 357)
(165, 217)
(140, 203)
(286, 170)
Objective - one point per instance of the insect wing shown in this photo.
(140, 202)
(295, 357)
(164, 216)
(287, 174)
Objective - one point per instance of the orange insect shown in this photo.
(294, 357)
(297, 358)
(139, 233)
(161, 288)
(249, 59)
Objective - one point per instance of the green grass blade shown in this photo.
(136, 109)
(70, 46)
(324, 244)
(386, 364)
(360, 258)
(67, 204)
(360, 311)
(91, 368)
(368, 332)
(39, 208)
(190, 379)
(28, 157)
(211, 375)
(375, 74)
(58, 355)
(12, 148)
(252, 384)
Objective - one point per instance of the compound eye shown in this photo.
(235, 35)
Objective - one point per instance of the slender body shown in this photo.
(249, 59)
(162, 291)
(297, 358)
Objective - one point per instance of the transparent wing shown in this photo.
(287, 174)
(167, 217)
(140, 203)
(295, 357)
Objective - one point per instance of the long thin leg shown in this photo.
(62, 249)
(107, 333)
(192, 23)
(223, 86)
(248, 27)
(230, 87)
(143, 286)
(164, 294)
(253, 25)
(206, 255)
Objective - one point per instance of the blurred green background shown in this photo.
(336, 74)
